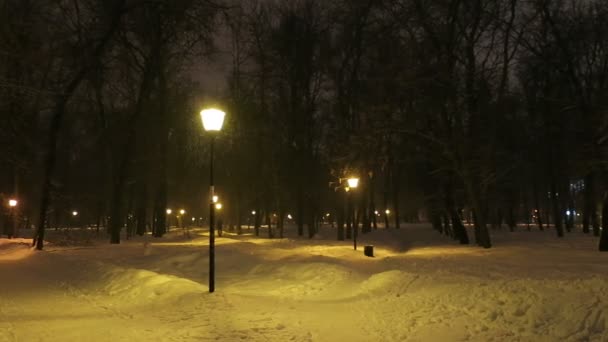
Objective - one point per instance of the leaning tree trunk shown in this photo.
(459, 231)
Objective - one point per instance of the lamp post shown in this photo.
(213, 119)
(353, 182)
(12, 204)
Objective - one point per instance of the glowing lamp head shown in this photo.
(253, 212)
(169, 211)
(213, 119)
(74, 213)
(387, 211)
(218, 206)
(182, 211)
(215, 198)
(193, 219)
(12, 202)
(289, 216)
(353, 182)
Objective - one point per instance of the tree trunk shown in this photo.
(557, 213)
(141, 212)
(603, 245)
(257, 222)
(588, 206)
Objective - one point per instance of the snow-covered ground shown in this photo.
(419, 287)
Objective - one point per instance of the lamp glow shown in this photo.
(218, 206)
(253, 212)
(215, 198)
(169, 211)
(182, 211)
(387, 211)
(353, 182)
(12, 202)
(74, 213)
(289, 216)
(213, 119)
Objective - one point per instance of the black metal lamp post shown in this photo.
(213, 119)
(353, 182)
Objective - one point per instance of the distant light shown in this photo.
(289, 216)
(218, 206)
(193, 219)
(327, 214)
(376, 212)
(213, 119)
(182, 211)
(74, 213)
(347, 189)
(169, 211)
(568, 213)
(12, 202)
(387, 211)
(215, 198)
(578, 214)
(253, 212)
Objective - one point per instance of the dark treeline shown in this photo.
(491, 112)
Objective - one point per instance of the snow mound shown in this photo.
(137, 285)
(15, 249)
(319, 280)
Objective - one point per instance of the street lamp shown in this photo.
(12, 203)
(353, 183)
(215, 198)
(213, 119)
(218, 206)
(74, 213)
(169, 211)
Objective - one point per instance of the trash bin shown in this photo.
(368, 251)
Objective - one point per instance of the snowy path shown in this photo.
(420, 287)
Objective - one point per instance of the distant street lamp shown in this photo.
(353, 183)
(215, 198)
(12, 204)
(74, 213)
(213, 120)
(218, 206)
(182, 211)
(169, 211)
